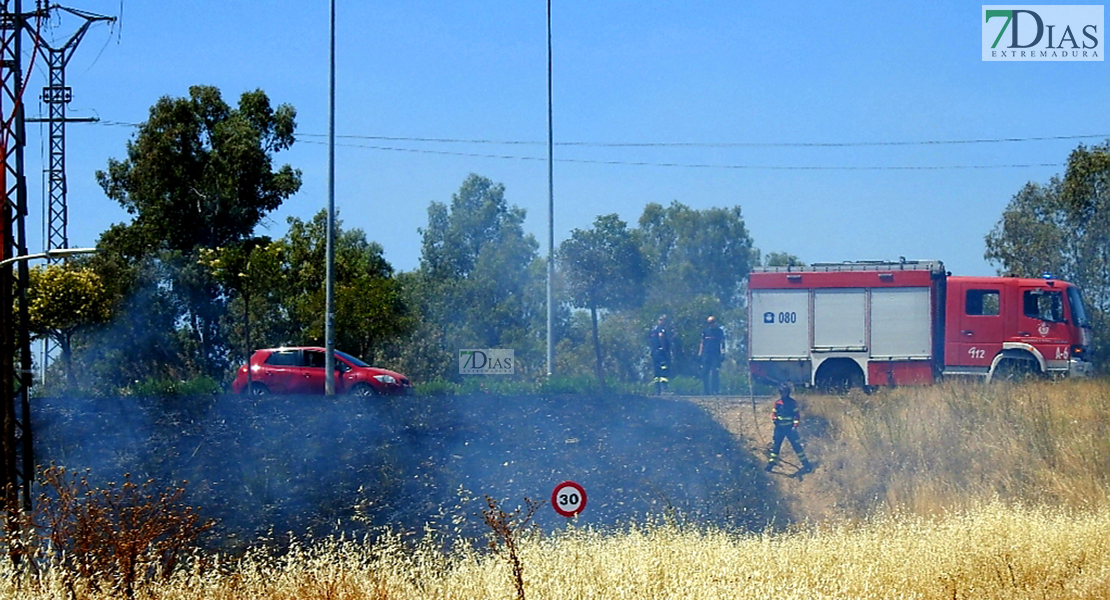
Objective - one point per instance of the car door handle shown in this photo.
(968, 332)
(1023, 333)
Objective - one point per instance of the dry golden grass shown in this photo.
(991, 551)
(931, 449)
(952, 491)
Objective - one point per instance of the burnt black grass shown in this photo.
(308, 466)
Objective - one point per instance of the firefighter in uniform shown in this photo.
(712, 346)
(659, 342)
(786, 416)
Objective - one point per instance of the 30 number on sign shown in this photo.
(568, 498)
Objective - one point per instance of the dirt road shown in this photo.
(749, 421)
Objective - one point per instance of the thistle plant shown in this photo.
(506, 529)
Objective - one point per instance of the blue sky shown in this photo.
(624, 72)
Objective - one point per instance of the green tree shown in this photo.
(605, 270)
(697, 252)
(62, 300)
(251, 271)
(144, 340)
(1063, 227)
(1029, 238)
(782, 259)
(700, 260)
(198, 174)
(1086, 197)
(478, 285)
(370, 309)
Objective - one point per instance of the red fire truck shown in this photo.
(874, 323)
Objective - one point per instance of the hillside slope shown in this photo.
(932, 449)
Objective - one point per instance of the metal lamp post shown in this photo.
(329, 286)
(49, 254)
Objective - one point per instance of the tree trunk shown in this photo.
(597, 346)
(198, 333)
(247, 334)
(67, 360)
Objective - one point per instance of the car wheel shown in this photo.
(363, 389)
(259, 389)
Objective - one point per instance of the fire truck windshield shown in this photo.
(1078, 314)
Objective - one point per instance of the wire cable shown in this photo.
(385, 138)
(697, 165)
(301, 137)
(435, 140)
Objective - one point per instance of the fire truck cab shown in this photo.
(875, 323)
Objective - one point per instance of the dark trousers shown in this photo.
(659, 360)
(711, 374)
(787, 432)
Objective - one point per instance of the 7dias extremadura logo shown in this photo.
(1042, 33)
(489, 361)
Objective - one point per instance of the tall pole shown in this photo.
(16, 464)
(56, 95)
(329, 287)
(550, 213)
(10, 32)
(17, 460)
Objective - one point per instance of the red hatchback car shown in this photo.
(301, 371)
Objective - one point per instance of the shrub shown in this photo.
(112, 538)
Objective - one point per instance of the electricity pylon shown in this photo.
(56, 95)
(17, 461)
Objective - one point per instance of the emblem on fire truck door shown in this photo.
(1043, 329)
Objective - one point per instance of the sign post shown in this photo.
(568, 499)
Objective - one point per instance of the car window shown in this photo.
(354, 361)
(315, 359)
(284, 358)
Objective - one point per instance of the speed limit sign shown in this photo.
(568, 498)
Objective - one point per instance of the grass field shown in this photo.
(952, 491)
(991, 551)
(931, 449)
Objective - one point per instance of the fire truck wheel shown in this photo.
(838, 377)
(1014, 370)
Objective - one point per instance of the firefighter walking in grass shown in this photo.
(786, 417)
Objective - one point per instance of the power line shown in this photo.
(383, 138)
(387, 138)
(696, 165)
(301, 137)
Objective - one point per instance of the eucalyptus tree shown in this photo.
(199, 174)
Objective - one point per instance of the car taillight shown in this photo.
(1079, 352)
